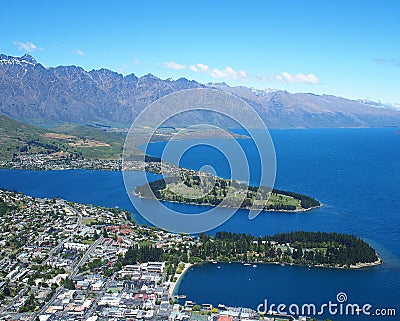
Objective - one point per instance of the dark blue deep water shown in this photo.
(355, 173)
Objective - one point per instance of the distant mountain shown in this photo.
(68, 94)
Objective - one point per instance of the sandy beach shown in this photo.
(172, 285)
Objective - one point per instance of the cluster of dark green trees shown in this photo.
(307, 248)
(343, 249)
(4, 208)
(136, 254)
(69, 284)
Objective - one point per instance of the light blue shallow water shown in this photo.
(353, 172)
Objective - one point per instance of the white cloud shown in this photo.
(79, 52)
(295, 78)
(27, 46)
(174, 65)
(203, 68)
(227, 74)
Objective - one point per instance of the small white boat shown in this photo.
(254, 266)
(246, 264)
(214, 262)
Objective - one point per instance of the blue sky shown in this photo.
(345, 48)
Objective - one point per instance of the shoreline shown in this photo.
(173, 285)
(358, 266)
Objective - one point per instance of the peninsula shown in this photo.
(201, 188)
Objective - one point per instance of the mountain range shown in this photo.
(35, 94)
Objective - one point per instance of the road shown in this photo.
(46, 306)
(73, 210)
(78, 228)
(100, 294)
(86, 256)
(50, 254)
(82, 261)
(14, 300)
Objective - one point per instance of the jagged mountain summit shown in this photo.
(44, 96)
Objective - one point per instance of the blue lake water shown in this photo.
(353, 172)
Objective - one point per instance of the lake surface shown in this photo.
(353, 172)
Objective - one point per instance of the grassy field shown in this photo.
(111, 147)
(214, 191)
(280, 199)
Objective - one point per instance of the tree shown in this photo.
(6, 291)
(95, 236)
(108, 273)
(69, 284)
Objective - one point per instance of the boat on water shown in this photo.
(246, 264)
(218, 267)
(182, 296)
(254, 265)
(282, 264)
(214, 262)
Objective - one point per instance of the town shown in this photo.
(59, 161)
(67, 261)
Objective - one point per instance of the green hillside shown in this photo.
(69, 141)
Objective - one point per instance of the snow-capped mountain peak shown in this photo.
(25, 60)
